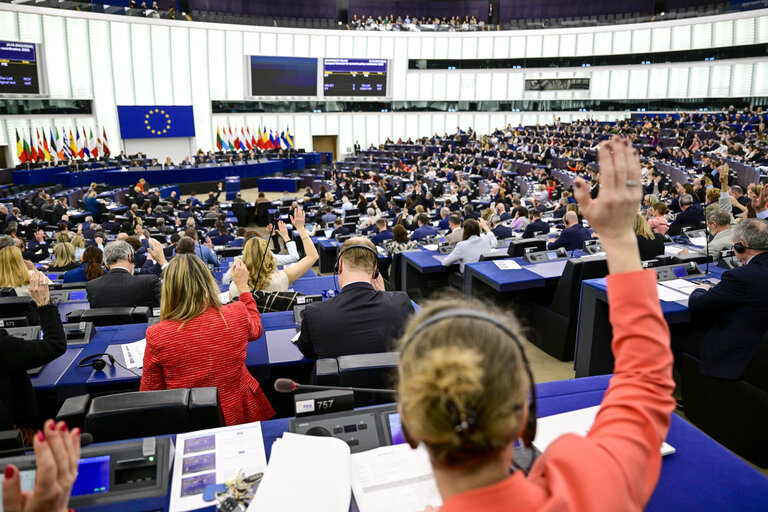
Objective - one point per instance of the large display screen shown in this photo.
(283, 76)
(19, 68)
(354, 77)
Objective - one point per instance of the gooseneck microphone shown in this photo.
(289, 386)
(85, 440)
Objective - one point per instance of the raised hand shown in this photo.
(297, 219)
(38, 289)
(282, 230)
(57, 454)
(240, 275)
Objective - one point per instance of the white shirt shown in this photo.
(470, 250)
(280, 259)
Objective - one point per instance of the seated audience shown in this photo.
(473, 244)
(119, 287)
(400, 241)
(362, 318)
(203, 251)
(18, 406)
(63, 258)
(649, 243)
(536, 226)
(447, 379)
(691, 215)
(730, 319)
(574, 235)
(262, 267)
(200, 343)
(499, 230)
(91, 268)
(338, 228)
(457, 232)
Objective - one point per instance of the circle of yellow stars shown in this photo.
(164, 118)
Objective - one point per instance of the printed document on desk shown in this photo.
(549, 268)
(305, 473)
(577, 422)
(394, 478)
(670, 294)
(133, 353)
(681, 285)
(507, 264)
(208, 457)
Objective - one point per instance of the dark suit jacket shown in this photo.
(571, 238)
(501, 232)
(120, 288)
(537, 225)
(360, 320)
(692, 216)
(735, 313)
(17, 398)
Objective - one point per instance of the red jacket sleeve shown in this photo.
(152, 372)
(635, 412)
(254, 318)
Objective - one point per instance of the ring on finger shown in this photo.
(633, 183)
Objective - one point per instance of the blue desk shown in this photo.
(593, 354)
(485, 274)
(293, 164)
(279, 184)
(314, 285)
(422, 272)
(700, 476)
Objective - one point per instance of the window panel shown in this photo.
(584, 44)
(235, 67)
(198, 83)
(161, 64)
(468, 47)
(182, 92)
(412, 126)
(641, 41)
(599, 83)
(268, 43)
(217, 78)
(567, 44)
(485, 47)
(467, 86)
(9, 25)
(744, 31)
(702, 35)
(425, 86)
(301, 45)
(533, 46)
(516, 85)
(678, 82)
(441, 48)
(550, 45)
(438, 124)
(385, 127)
(622, 41)
(316, 124)
(56, 60)
(142, 65)
(681, 37)
(252, 43)
(517, 47)
(372, 130)
(414, 48)
(453, 85)
(439, 86)
(760, 79)
(388, 48)
(412, 86)
(500, 47)
(619, 83)
(638, 83)
(657, 82)
(699, 84)
(79, 57)
(603, 42)
(741, 79)
(661, 39)
(427, 47)
(483, 86)
(360, 47)
(723, 33)
(398, 126)
(30, 28)
(104, 101)
(499, 86)
(762, 30)
(720, 80)
(454, 46)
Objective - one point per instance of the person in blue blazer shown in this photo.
(424, 230)
(573, 236)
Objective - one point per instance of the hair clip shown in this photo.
(463, 422)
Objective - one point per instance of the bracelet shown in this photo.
(305, 238)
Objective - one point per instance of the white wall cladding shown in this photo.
(120, 61)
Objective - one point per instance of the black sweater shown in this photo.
(17, 355)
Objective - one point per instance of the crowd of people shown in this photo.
(566, 182)
(416, 24)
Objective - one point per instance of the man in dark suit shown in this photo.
(363, 318)
(338, 228)
(731, 318)
(383, 234)
(111, 226)
(119, 287)
(424, 230)
(573, 236)
(498, 229)
(692, 215)
(536, 225)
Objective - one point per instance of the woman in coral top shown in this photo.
(200, 343)
(464, 387)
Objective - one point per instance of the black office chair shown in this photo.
(143, 414)
(554, 325)
(240, 211)
(517, 247)
(262, 213)
(111, 316)
(376, 371)
(733, 412)
(395, 273)
(18, 311)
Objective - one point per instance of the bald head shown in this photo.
(570, 218)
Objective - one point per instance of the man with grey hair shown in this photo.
(498, 229)
(731, 318)
(119, 287)
(692, 215)
(719, 225)
(445, 213)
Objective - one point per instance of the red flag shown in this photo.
(32, 148)
(104, 148)
(253, 139)
(237, 141)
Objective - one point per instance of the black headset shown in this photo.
(739, 248)
(529, 433)
(358, 246)
(97, 362)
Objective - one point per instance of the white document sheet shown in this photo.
(507, 264)
(133, 353)
(305, 473)
(700, 241)
(430, 247)
(394, 478)
(577, 422)
(681, 285)
(208, 457)
(669, 294)
(674, 249)
(224, 297)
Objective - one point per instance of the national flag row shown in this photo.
(39, 147)
(228, 139)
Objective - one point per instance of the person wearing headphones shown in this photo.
(466, 390)
(362, 318)
(119, 287)
(731, 318)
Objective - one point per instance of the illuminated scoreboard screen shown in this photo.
(354, 77)
(18, 68)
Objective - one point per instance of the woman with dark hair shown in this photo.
(400, 241)
(473, 244)
(91, 268)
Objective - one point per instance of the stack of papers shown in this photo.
(133, 353)
(209, 457)
(430, 247)
(577, 422)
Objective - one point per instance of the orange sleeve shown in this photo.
(254, 318)
(635, 412)
(152, 372)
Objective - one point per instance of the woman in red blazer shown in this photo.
(200, 343)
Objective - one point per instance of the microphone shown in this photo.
(85, 440)
(289, 386)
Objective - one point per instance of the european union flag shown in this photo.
(154, 121)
